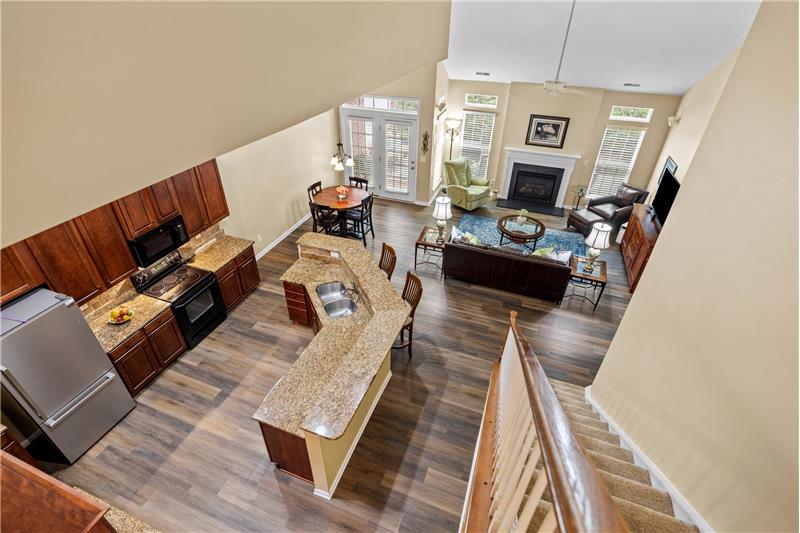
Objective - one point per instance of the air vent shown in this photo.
(481, 73)
(629, 84)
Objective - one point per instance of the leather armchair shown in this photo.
(465, 190)
(616, 209)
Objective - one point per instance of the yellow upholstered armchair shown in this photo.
(465, 190)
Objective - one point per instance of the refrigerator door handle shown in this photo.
(85, 396)
(14, 383)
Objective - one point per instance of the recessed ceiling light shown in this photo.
(629, 84)
(481, 73)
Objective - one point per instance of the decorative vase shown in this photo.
(341, 196)
(521, 219)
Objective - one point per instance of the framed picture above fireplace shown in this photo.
(547, 131)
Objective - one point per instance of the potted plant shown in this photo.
(341, 192)
(522, 215)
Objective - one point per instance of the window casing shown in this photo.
(476, 141)
(615, 159)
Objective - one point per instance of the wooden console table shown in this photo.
(638, 242)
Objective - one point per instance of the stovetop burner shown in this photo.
(172, 284)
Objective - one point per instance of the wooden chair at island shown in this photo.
(388, 260)
(313, 190)
(412, 294)
(359, 183)
(323, 219)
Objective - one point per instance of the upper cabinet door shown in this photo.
(66, 262)
(190, 201)
(107, 244)
(136, 213)
(19, 271)
(213, 193)
(165, 202)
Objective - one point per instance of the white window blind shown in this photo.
(615, 160)
(476, 141)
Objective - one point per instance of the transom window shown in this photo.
(476, 141)
(481, 100)
(631, 114)
(385, 103)
(615, 159)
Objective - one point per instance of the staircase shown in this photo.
(643, 507)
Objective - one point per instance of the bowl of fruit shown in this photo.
(120, 314)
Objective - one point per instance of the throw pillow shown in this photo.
(561, 257)
(464, 237)
(472, 239)
(544, 252)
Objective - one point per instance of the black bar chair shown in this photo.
(313, 189)
(324, 219)
(361, 219)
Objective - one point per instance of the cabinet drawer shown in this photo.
(126, 345)
(226, 269)
(245, 256)
(294, 290)
(156, 323)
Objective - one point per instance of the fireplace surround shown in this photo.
(540, 190)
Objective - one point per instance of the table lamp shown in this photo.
(442, 213)
(597, 240)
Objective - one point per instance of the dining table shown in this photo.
(328, 197)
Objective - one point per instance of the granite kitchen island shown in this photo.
(312, 418)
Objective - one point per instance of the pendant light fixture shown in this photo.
(557, 86)
(340, 159)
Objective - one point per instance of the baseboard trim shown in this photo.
(681, 506)
(282, 236)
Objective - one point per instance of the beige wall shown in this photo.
(440, 142)
(695, 111)
(103, 98)
(702, 373)
(265, 182)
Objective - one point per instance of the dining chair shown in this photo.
(361, 219)
(313, 189)
(412, 293)
(323, 218)
(388, 260)
(359, 183)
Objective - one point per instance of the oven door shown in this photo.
(200, 310)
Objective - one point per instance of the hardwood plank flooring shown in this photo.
(190, 458)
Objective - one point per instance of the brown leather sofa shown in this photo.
(530, 275)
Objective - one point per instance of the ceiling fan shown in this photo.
(556, 86)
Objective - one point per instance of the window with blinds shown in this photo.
(476, 141)
(615, 160)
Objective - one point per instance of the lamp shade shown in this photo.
(441, 211)
(338, 166)
(599, 236)
(452, 123)
(334, 160)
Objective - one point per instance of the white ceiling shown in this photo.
(665, 46)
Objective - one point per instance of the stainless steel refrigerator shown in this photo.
(53, 365)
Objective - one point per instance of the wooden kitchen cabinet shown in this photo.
(107, 244)
(165, 338)
(238, 278)
(190, 201)
(136, 362)
(19, 271)
(248, 271)
(165, 201)
(213, 194)
(66, 262)
(296, 303)
(638, 242)
(11, 445)
(136, 213)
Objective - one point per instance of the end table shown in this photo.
(580, 279)
(432, 251)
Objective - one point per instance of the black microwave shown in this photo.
(158, 242)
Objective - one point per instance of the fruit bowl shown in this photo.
(120, 315)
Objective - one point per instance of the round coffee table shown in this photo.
(522, 233)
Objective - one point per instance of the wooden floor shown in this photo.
(190, 458)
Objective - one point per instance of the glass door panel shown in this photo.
(398, 158)
(361, 146)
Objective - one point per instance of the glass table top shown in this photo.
(528, 227)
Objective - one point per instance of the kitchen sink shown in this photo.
(340, 308)
(330, 292)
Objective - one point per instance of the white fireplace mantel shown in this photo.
(545, 159)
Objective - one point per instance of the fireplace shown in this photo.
(534, 187)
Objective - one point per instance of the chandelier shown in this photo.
(340, 159)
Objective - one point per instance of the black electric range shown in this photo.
(192, 293)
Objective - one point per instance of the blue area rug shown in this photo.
(485, 228)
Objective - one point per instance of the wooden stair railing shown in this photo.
(524, 422)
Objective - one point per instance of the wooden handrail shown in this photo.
(580, 498)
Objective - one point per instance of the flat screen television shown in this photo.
(665, 195)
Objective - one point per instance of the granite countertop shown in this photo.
(110, 336)
(218, 254)
(327, 382)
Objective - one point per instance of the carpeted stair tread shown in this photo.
(565, 385)
(646, 520)
(599, 434)
(605, 448)
(619, 467)
(579, 408)
(580, 396)
(640, 494)
(587, 421)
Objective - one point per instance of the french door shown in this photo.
(384, 151)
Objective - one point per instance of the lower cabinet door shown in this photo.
(230, 289)
(138, 366)
(167, 342)
(248, 273)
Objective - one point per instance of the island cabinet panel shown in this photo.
(287, 451)
(66, 262)
(165, 338)
(165, 201)
(296, 303)
(136, 362)
(107, 244)
(19, 271)
(136, 213)
(190, 201)
(213, 194)
(238, 278)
